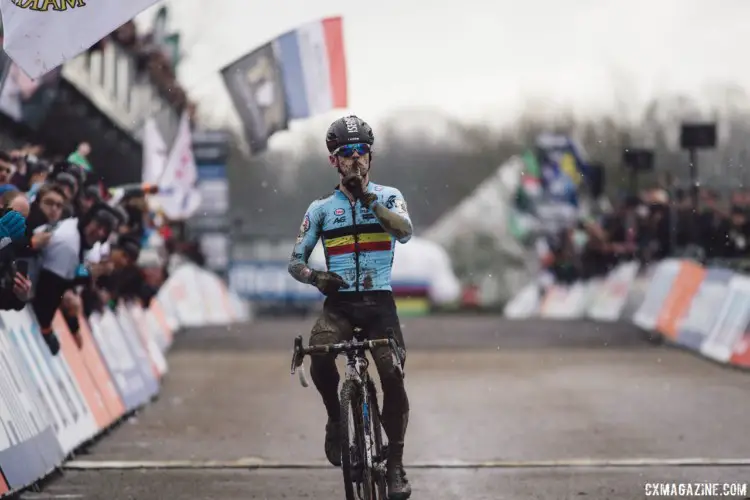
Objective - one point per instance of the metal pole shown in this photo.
(693, 196)
(694, 178)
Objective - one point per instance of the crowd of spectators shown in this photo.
(152, 59)
(651, 225)
(68, 243)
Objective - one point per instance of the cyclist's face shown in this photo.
(353, 164)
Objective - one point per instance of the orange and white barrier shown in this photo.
(702, 309)
(49, 406)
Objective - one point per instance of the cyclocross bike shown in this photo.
(363, 452)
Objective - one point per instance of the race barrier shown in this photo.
(703, 309)
(52, 405)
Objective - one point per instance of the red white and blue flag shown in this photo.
(299, 74)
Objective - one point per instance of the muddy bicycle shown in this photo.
(363, 451)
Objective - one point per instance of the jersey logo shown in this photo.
(339, 220)
(391, 201)
(303, 228)
(338, 211)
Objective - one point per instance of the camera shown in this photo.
(8, 265)
(8, 270)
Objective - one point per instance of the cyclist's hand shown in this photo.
(353, 184)
(328, 282)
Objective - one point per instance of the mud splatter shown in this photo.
(367, 282)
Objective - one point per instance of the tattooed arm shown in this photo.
(309, 233)
(393, 216)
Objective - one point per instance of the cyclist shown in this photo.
(359, 224)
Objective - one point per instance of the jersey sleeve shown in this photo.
(307, 238)
(395, 202)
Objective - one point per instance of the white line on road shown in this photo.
(50, 496)
(257, 463)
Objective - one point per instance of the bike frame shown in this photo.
(356, 373)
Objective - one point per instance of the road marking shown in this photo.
(258, 463)
(50, 496)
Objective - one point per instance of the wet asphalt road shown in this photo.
(493, 403)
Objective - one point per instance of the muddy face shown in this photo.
(354, 164)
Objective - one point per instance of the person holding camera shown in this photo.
(15, 287)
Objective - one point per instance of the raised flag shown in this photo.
(300, 74)
(40, 35)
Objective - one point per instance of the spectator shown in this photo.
(7, 168)
(48, 206)
(44, 214)
(80, 156)
(38, 173)
(16, 200)
(61, 266)
(89, 197)
(69, 185)
(126, 281)
(736, 235)
(15, 287)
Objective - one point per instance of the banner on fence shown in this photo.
(50, 405)
(706, 310)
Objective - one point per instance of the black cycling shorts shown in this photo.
(374, 312)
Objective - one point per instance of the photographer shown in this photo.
(62, 268)
(15, 287)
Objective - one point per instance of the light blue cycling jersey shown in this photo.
(356, 246)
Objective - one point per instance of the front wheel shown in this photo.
(355, 450)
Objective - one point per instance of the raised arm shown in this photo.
(393, 215)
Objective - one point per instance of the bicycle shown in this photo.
(363, 451)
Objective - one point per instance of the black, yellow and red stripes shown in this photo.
(370, 238)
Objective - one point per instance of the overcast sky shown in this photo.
(483, 59)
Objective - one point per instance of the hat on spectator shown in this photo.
(122, 213)
(105, 215)
(92, 193)
(66, 179)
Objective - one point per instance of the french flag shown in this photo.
(313, 68)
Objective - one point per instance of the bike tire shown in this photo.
(377, 438)
(369, 487)
(347, 392)
(351, 400)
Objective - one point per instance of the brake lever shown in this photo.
(298, 361)
(303, 376)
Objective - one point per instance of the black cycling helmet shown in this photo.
(348, 130)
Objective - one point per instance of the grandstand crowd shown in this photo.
(69, 243)
(654, 224)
